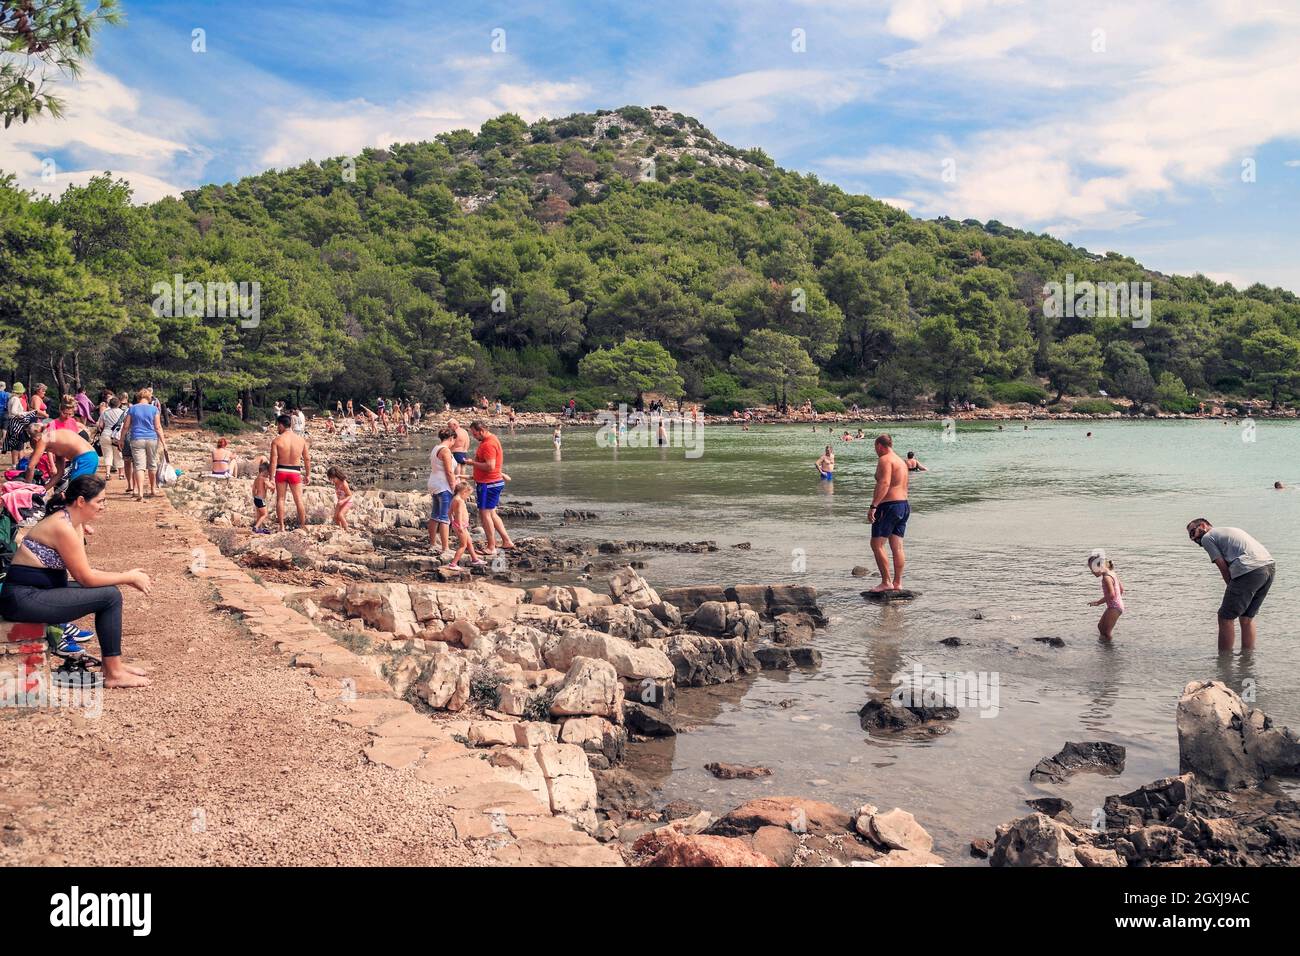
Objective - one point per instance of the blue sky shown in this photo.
(1117, 126)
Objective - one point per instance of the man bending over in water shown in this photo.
(291, 467)
(888, 514)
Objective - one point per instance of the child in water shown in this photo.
(460, 524)
(342, 495)
(261, 489)
(1112, 593)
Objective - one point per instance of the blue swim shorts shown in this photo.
(488, 496)
(891, 519)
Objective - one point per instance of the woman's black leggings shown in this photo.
(27, 604)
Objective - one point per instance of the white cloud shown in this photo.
(323, 129)
(1193, 106)
(761, 95)
(104, 127)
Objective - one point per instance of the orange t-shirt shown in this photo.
(489, 447)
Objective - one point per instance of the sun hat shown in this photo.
(19, 388)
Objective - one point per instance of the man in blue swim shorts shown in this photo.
(73, 455)
(888, 514)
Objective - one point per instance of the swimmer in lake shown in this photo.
(913, 463)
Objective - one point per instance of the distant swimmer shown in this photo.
(888, 514)
(826, 465)
(913, 463)
(846, 437)
(1277, 486)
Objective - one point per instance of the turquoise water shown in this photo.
(1001, 528)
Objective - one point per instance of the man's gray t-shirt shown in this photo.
(1242, 552)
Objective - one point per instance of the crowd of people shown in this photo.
(56, 485)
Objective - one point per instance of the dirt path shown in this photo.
(228, 758)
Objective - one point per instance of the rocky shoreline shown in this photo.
(552, 683)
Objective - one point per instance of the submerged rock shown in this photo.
(891, 597)
(735, 771)
(888, 716)
(1095, 756)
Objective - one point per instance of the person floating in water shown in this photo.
(1112, 594)
(888, 514)
(914, 463)
(826, 465)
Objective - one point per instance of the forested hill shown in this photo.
(535, 262)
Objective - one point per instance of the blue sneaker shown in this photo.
(72, 635)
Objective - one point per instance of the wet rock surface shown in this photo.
(1090, 756)
(1208, 816)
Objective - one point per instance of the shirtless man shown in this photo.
(291, 468)
(826, 464)
(459, 444)
(888, 514)
(73, 455)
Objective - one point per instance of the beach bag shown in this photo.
(166, 474)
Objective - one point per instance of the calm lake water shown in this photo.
(1000, 531)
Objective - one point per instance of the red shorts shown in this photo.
(288, 477)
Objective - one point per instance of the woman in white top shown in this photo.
(442, 480)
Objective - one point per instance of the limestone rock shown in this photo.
(385, 606)
(703, 850)
(569, 782)
(898, 830)
(628, 587)
(448, 683)
(1035, 840)
(630, 661)
(1225, 743)
(591, 687)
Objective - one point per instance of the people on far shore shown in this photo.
(1247, 569)
(888, 515)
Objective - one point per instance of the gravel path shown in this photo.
(229, 758)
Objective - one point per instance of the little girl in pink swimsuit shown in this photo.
(1112, 593)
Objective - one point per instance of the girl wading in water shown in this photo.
(1112, 594)
(37, 589)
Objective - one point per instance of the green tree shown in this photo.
(774, 360)
(633, 366)
(949, 356)
(1074, 365)
(41, 37)
(1274, 360)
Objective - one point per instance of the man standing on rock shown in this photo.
(459, 444)
(889, 513)
(291, 467)
(488, 483)
(1247, 569)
